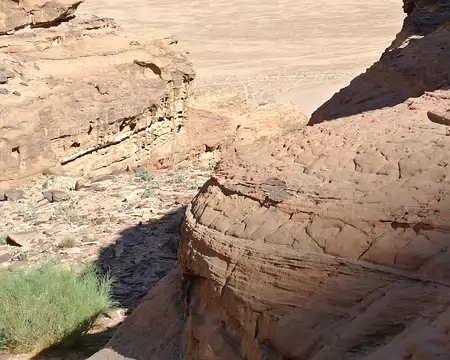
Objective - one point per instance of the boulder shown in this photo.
(13, 195)
(332, 241)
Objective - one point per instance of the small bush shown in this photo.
(149, 193)
(177, 180)
(49, 305)
(147, 177)
(47, 172)
(67, 243)
(23, 256)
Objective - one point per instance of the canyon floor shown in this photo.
(267, 51)
(126, 222)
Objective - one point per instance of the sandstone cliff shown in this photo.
(332, 242)
(82, 94)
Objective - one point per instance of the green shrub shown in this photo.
(67, 242)
(177, 180)
(23, 256)
(149, 193)
(50, 305)
(47, 172)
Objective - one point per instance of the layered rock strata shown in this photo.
(86, 97)
(332, 242)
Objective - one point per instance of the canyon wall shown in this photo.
(78, 94)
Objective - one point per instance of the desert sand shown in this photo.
(283, 50)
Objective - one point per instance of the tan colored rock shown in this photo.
(13, 195)
(93, 104)
(332, 241)
(232, 122)
(21, 239)
(55, 195)
(155, 330)
(17, 14)
(329, 241)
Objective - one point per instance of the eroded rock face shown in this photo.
(417, 61)
(17, 14)
(148, 333)
(93, 98)
(331, 242)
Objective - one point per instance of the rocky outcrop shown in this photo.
(416, 62)
(17, 14)
(211, 134)
(331, 242)
(86, 97)
(155, 330)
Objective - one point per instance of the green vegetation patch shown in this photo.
(50, 305)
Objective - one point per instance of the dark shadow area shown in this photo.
(142, 256)
(77, 349)
(405, 70)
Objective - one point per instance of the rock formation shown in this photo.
(17, 14)
(82, 94)
(417, 61)
(332, 242)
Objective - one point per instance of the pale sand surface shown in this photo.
(268, 50)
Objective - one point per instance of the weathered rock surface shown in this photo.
(17, 14)
(147, 333)
(211, 133)
(332, 242)
(96, 98)
(417, 61)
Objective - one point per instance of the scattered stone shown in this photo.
(10, 74)
(14, 195)
(4, 257)
(17, 93)
(55, 195)
(4, 91)
(102, 89)
(134, 43)
(3, 78)
(23, 83)
(80, 184)
(22, 239)
(103, 178)
(112, 319)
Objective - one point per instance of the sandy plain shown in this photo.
(267, 50)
